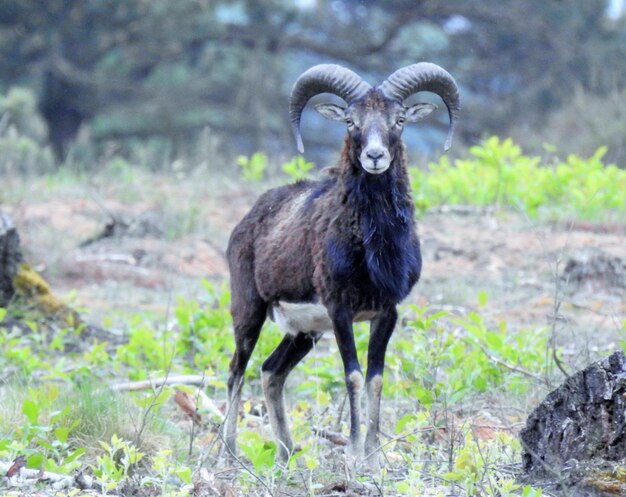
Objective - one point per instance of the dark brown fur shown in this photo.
(290, 264)
(349, 242)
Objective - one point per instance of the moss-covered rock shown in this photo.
(32, 289)
(22, 290)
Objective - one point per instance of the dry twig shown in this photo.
(510, 367)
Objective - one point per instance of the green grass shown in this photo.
(438, 368)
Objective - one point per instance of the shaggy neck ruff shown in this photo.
(384, 210)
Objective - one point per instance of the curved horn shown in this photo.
(425, 77)
(323, 78)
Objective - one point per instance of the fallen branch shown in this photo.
(331, 436)
(108, 257)
(25, 477)
(183, 379)
(204, 402)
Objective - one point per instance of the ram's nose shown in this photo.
(375, 154)
(375, 160)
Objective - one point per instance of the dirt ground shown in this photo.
(157, 250)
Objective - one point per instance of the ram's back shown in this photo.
(274, 242)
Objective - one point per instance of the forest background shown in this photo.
(114, 73)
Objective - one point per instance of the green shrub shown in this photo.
(18, 109)
(21, 154)
(460, 358)
(22, 135)
(498, 173)
(297, 168)
(253, 168)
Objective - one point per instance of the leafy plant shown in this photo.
(43, 439)
(497, 173)
(461, 357)
(298, 168)
(22, 135)
(438, 365)
(116, 463)
(261, 452)
(252, 168)
(165, 466)
(20, 351)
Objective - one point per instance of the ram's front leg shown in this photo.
(381, 329)
(342, 324)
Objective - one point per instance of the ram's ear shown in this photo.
(331, 111)
(417, 112)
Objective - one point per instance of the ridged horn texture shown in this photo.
(425, 76)
(323, 78)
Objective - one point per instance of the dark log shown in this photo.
(580, 425)
(10, 258)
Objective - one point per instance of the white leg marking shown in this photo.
(356, 383)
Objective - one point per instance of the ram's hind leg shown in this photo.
(275, 370)
(248, 319)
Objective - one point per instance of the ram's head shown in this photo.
(375, 117)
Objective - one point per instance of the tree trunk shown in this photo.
(10, 258)
(578, 433)
(64, 105)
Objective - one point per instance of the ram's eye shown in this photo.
(349, 122)
(400, 121)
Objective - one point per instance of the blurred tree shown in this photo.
(140, 68)
(522, 60)
(126, 64)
